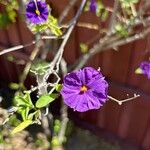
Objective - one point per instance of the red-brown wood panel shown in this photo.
(112, 111)
(146, 140)
(131, 120)
(70, 48)
(124, 120)
(4, 69)
(115, 63)
(139, 53)
(3, 41)
(139, 120)
(26, 36)
(14, 39)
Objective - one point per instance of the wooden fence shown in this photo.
(129, 121)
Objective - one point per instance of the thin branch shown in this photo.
(88, 25)
(113, 17)
(15, 48)
(39, 86)
(64, 109)
(58, 56)
(66, 10)
(28, 65)
(133, 9)
(73, 23)
(124, 100)
(45, 37)
(56, 82)
(106, 45)
(18, 47)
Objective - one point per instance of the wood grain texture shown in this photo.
(130, 121)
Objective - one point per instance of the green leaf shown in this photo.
(84, 48)
(28, 99)
(45, 100)
(9, 14)
(105, 15)
(86, 8)
(14, 86)
(127, 3)
(21, 126)
(23, 101)
(24, 111)
(20, 101)
(57, 126)
(55, 141)
(51, 24)
(39, 67)
(10, 58)
(30, 116)
(4, 20)
(100, 8)
(58, 87)
(39, 28)
(12, 15)
(121, 30)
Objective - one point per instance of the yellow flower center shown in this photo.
(83, 88)
(37, 12)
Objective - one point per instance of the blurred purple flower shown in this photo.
(84, 89)
(93, 6)
(37, 13)
(145, 67)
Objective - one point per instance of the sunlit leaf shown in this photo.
(100, 9)
(21, 126)
(57, 126)
(9, 14)
(55, 141)
(58, 87)
(28, 99)
(84, 48)
(45, 100)
(51, 24)
(24, 101)
(121, 30)
(24, 111)
(86, 8)
(128, 3)
(138, 71)
(39, 67)
(104, 15)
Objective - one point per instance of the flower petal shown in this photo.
(89, 74)
(72, 79)
(81, 103)
(93, 97)
(31, 12)
(99, 86)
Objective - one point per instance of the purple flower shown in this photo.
(84, 89)
(93, 6)
(145, 67)
(37, 13)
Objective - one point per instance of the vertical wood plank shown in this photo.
(115, 63)
(146, 140)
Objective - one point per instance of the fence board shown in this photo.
(131, 120)
(146, 143)
(116, 63)
(139, 53)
